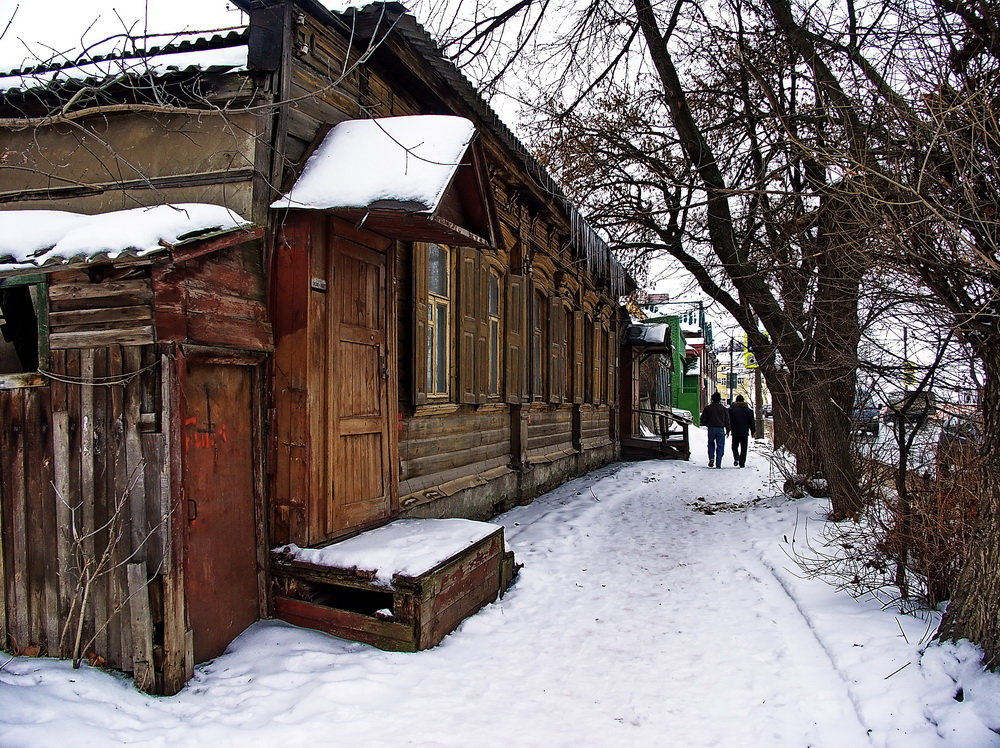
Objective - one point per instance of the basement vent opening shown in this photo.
(352, 599)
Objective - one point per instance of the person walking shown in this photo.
(715, 418)
(743, 422)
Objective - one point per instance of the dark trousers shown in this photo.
(740, 448)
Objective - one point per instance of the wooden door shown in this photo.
(220, 567)
(359, 393)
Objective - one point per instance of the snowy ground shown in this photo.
(657, 607)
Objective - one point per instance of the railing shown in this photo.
(660, 423)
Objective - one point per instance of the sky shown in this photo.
(43, 30)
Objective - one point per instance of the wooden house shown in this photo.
(181, 405)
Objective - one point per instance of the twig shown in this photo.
(895, 671)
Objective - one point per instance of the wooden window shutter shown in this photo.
(516, 361)
(420, 311)
(578, 362)
(612, 365)
(596, 368)
(557, 358)
(482, 358)
(468, 339)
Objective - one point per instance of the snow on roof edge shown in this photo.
(38, 240)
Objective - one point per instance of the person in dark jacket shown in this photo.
(743, 422)
(715, 418)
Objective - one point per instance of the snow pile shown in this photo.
(657, 607)
(36, 238)
(360, 163)
(407, 547)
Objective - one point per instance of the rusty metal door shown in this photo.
(361, 421)
(218, 468)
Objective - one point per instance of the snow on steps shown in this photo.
(401, 587)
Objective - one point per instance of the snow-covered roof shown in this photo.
(403, 163)
(647, 334)
(180, 53)
(406, 547)
(229, 58)
(41, 239)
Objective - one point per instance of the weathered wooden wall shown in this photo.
(86, 463)
(84, 494)
(118, 161)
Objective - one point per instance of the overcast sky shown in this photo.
(45, 29)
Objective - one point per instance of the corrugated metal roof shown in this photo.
(199, 54)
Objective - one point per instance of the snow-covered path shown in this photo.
(655, 608)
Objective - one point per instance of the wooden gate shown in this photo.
(360, 423)
(218, 475)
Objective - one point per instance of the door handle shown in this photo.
(192, 510)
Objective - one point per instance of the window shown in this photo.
(23, 317)
(438, 316)
(598, 376)
(493, 333)
(539, 345)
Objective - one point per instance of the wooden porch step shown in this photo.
(401, 587)
(639, 448)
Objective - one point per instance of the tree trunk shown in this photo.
(974, 612)
(831, 429)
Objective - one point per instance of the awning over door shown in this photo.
(415, 178)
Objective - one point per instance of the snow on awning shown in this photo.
(653, 337)
(391, 174)
(43, 240)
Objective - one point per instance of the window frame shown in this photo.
(36, 377)
(494, 333)
(439, 346)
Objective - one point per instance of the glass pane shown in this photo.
(430, 356)
(494, 292)
(437, 270)
(494, 357)
(441, 344)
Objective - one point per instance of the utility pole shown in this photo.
(758, 397)
(730, 383)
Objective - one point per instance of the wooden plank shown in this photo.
(101, 317)
(134, 468)
(12, 450)
(210, 246)
(178, 662)
(4, 457)
(223, 273)
(259, 432)
(388, 635)
(483, 592)
(168, 303)
(141, 626)
(40, 515)
(210, 329)
(472, 460)
(96, 509)
(157, 491)
(125, 293)
(119, 652)
(99, 338)
(415, 447)
(213, 301)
